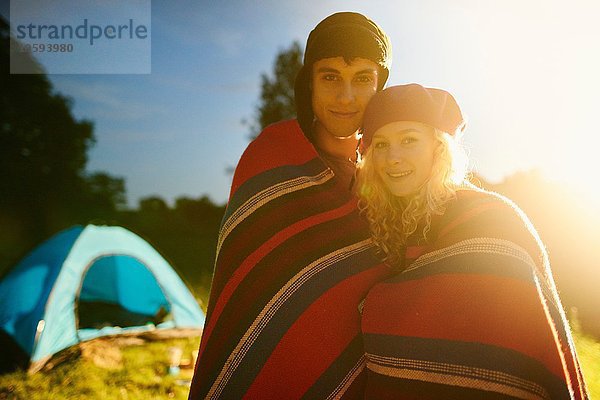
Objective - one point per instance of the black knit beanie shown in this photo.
(345, 34)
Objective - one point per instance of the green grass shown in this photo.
(110, 371)
(588, 350)
(129, 372)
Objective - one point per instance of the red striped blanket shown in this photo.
(294, 261)
(474, 316)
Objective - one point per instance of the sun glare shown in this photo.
(579, 169)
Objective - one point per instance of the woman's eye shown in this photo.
(380, 145)
(330, 77)
(409, 140)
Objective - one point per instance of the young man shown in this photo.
(294, 260)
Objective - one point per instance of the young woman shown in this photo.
(473, 311)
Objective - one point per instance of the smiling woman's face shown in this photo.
(403, 155)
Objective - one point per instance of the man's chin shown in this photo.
(350, 133)
(345, 137)
(339, 131)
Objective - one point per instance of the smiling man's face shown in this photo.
(340, 93)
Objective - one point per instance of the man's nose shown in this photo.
(346, 94)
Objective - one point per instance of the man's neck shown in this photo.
(341, 147)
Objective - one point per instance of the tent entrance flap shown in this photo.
(119, 290)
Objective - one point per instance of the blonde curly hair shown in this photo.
(393, 219)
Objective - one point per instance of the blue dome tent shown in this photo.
(49, 301)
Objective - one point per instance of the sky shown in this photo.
(525, 73)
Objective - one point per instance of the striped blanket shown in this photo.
(294, 261)
(475, 315)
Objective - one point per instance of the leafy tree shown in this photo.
(105, 194)
(277, 91)
(42, 147)
(153, 205)
(43, 154)
(198, 213)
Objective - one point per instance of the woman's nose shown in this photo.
(394, 155)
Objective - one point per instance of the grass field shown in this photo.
(108, 370)
(130, 369)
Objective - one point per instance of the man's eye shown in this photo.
(330, 77)
(364, 79)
